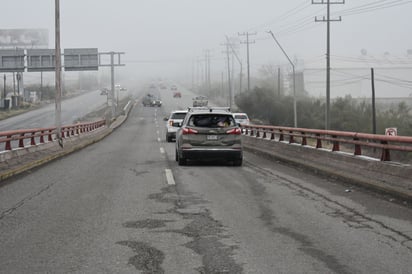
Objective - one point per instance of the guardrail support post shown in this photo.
(281, 138)
(32, 141)
(21, 140)
(386, 155)
(291, 138)
(304, 142)
(8, 143)
(335, 145)
(358, 149)
(50, 138)
(42, 137)
(318, 141)
(272, 135)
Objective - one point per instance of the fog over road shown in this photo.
(110, 208)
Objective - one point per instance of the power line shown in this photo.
(288, 13)
(372, 7)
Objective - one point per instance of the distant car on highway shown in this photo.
(173, 87)
(177, 94)
(104, 91)
(151, 101)
(209, 133)
(173, 123)
(241, 118)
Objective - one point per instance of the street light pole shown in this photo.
(295, 115)
(58, 73)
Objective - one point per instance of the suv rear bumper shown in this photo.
(211, 153)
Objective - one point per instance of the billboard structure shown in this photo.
(12, 60)
(41, 60)
(81, 59)
(24, 38)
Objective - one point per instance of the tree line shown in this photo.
(346, 114)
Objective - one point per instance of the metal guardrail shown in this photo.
(15, 139)
(335, 138)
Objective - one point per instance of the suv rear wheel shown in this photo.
(181, 161)
(237, 162)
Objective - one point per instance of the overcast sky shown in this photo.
(172, 33)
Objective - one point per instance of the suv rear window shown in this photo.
(212, 120)
(178, 116)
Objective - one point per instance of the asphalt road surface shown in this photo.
(123, 205)
(72, 109)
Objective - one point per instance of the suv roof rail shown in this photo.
(210, 109)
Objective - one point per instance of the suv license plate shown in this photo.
(212, 137)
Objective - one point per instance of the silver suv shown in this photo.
(173, 123)
(209, 133)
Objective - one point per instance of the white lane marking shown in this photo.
(162, 150)
(158, 139)
(169, 177)
(157, 132)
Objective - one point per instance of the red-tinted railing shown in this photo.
(335, 139)
(30, 137)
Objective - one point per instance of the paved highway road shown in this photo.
(72, 109)
(123, 205)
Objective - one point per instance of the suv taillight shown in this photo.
(171, 123)
(235, 131)
(186, 131)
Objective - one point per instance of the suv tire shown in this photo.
(181, 160)
(237, 162)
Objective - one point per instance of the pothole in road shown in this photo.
(148, 223)
(148, 259)
(206, 234)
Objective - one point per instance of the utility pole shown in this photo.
(228, 73)
(247, 42)
(41, 85)
(193, 75)
(240, 63)
(373, 101)
(207, 70)
(327, 20)
(14, 83)
(4, 91)
(279, 82)
(58, 109)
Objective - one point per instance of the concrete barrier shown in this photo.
(385, 177)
